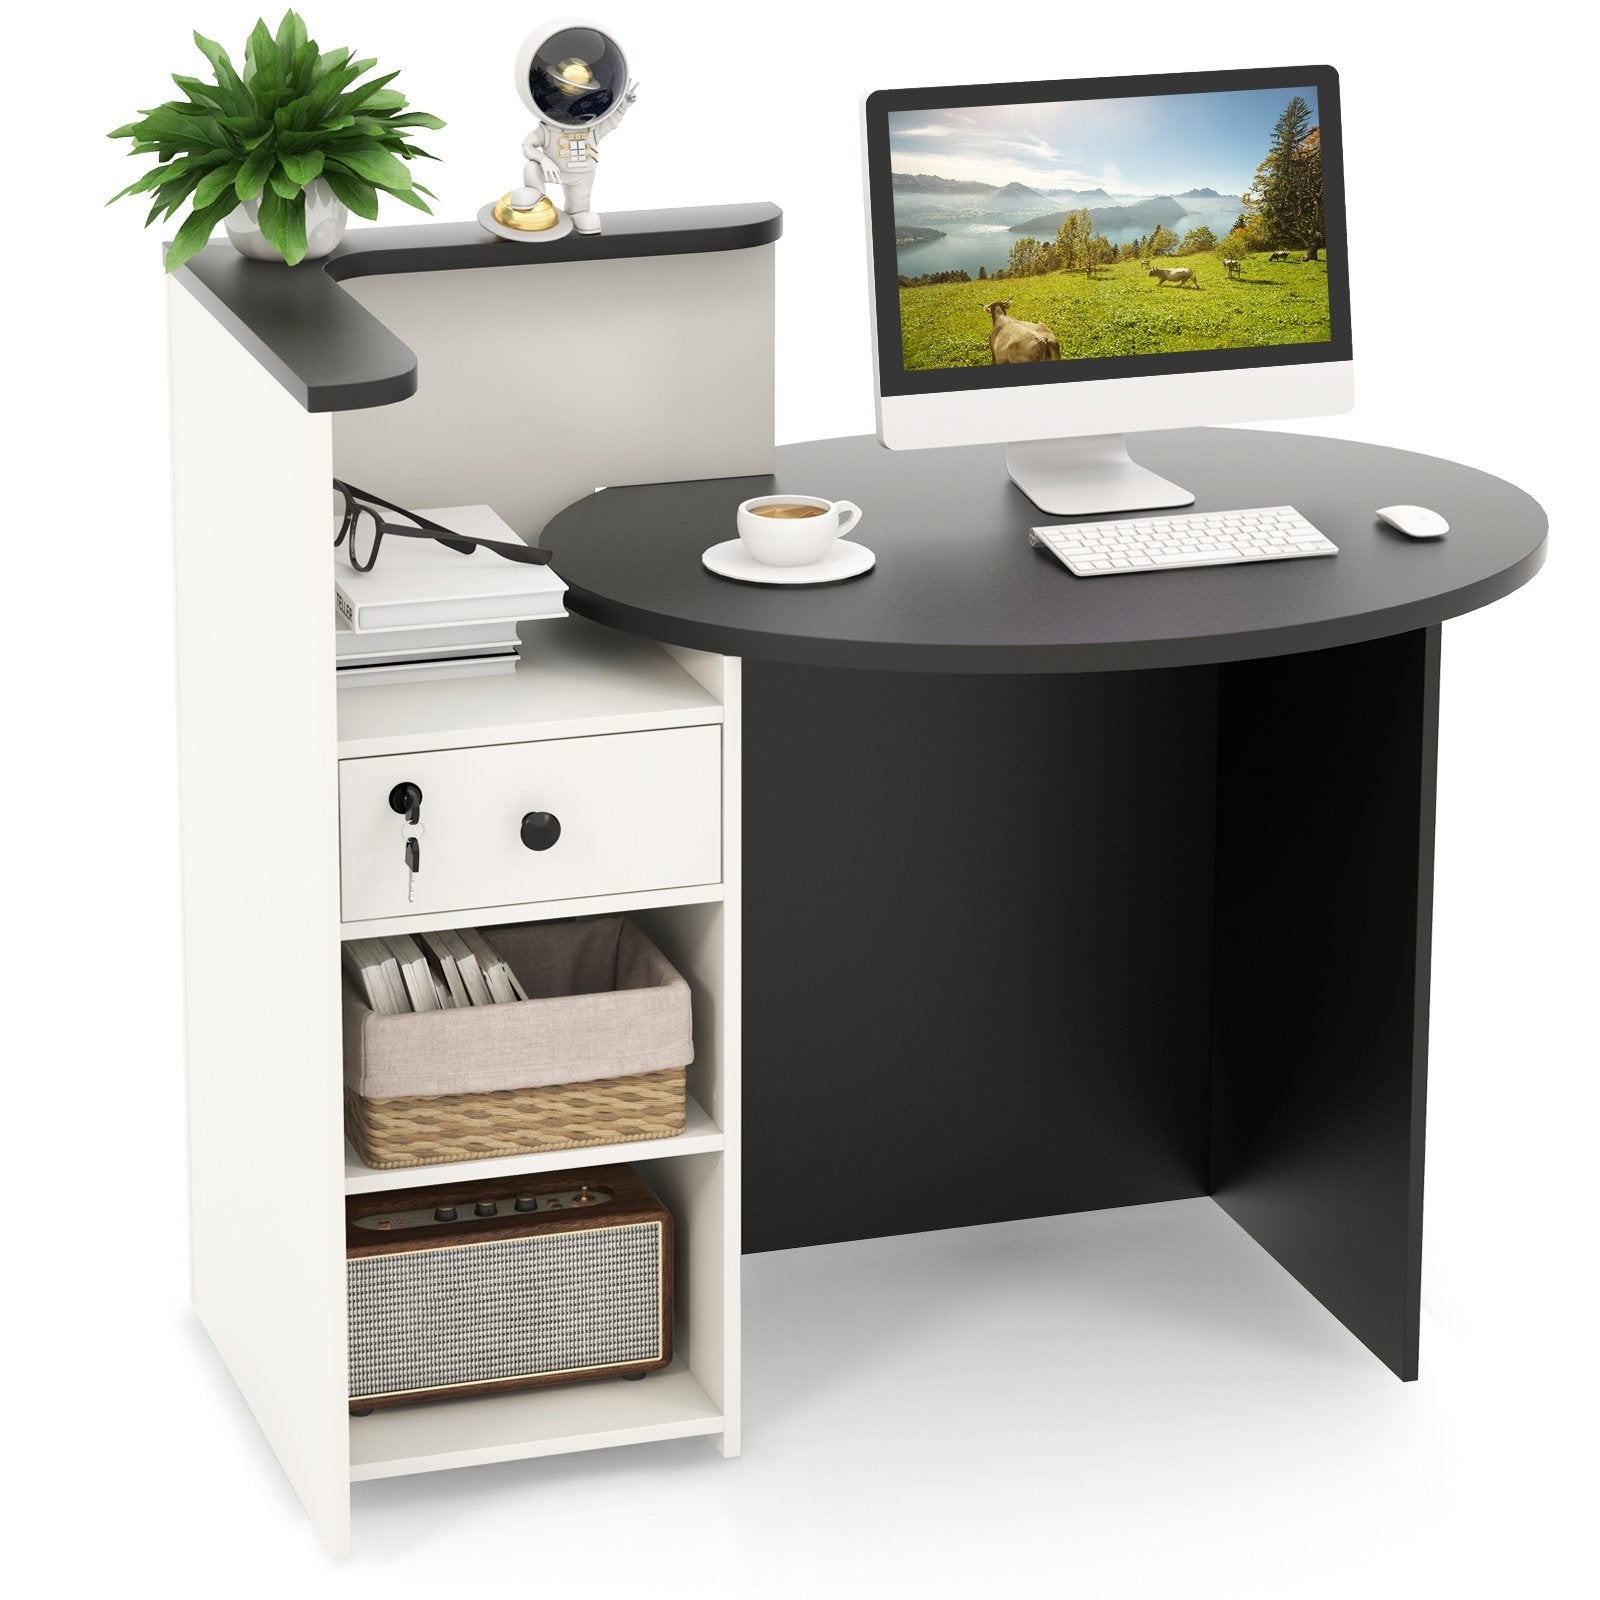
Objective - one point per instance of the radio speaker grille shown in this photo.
(543, 1305)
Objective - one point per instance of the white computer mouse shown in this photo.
(1415, 522)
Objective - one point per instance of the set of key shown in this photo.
(405, 800)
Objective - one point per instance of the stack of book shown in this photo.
(426, 611)
(443, 971)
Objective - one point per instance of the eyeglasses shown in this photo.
(363, 527)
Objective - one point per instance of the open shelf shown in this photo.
(669, 1404)
(575, 679)
(699, 1135)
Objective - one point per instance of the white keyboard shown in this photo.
(1206, 539)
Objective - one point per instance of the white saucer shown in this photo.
(846, 559)
(561, 229)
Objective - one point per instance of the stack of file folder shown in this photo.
(426, 611)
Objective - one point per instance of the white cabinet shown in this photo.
(630, 812)
(289, 842)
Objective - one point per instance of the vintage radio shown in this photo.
(506, 1283)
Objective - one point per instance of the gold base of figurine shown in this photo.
(535, 219)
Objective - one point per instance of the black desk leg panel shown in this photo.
(1323, 922)
(977, 952)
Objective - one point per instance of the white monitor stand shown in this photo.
(1088, 476)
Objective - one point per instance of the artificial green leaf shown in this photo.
(167, 124)
(270, 218)
(303, 168)
(196, 230)
(385, 100)
(302, 67)
(204, 94)
(283, 183)
(410, 199)
(259, 49)
(151, 179)
(331, 61)
(376, 165)
(173, 195)
(291, 35)
(294, 231)
(253, 174)
(215, 182)
(416, 119)
(166, 172)
(352, 191)
(358, 96)
(221, 65)
(326, 91)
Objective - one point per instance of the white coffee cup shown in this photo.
(794, 541)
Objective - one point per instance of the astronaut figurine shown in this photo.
(572, 77)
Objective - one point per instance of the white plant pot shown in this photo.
(325, 220)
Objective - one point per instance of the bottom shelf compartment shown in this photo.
(669, 1404)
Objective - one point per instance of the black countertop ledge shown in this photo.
(332, 354)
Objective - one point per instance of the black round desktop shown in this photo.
(1092, 892)
(957, 587)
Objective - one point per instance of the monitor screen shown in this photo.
(1053, 232)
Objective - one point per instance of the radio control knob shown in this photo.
(527, 1202)
(485, 1208)
(444, 1213)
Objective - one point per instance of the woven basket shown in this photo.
(595, 1056)
(423, 1130)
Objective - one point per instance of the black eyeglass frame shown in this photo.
(357, 501)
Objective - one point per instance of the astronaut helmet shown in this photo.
(570, 72)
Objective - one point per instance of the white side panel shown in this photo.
(1114, 405)
(539, 384)
(260, 874)
(703, 1192)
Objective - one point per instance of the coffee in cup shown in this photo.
(794, 530)
(789, 509)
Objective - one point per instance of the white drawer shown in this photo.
(636, 811)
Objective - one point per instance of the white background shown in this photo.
(1199, 1426)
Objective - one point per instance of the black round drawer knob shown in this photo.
(540, 829)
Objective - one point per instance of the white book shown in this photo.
(419, 583)
(390, 657)
(428, 671)
(466, 964)
(378, 974)
(414, 972)
(502, 990)
(446, 979)
(465, 639)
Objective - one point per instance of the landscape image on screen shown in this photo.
(1126, 227)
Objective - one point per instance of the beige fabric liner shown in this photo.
(603, 1003)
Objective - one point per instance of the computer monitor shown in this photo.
(1058, 263)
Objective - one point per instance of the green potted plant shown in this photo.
(280, 153)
